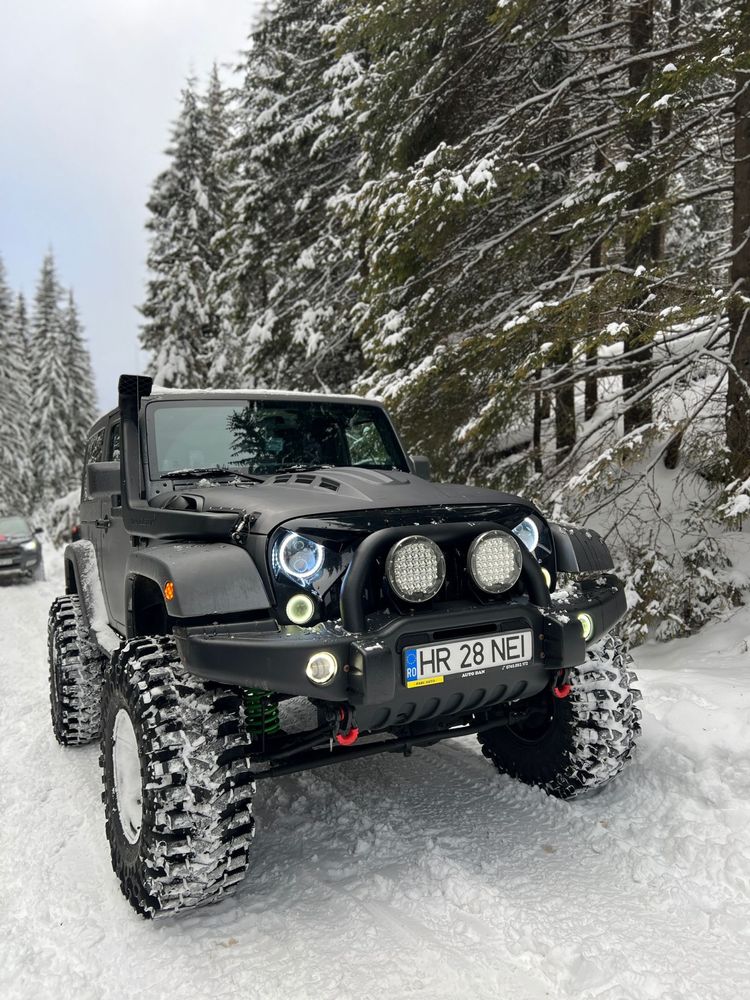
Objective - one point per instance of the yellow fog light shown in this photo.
(300, 609)
(547, 577)
(321, 667)
(587, 625)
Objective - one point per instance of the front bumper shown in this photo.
(17, 562)
(265, 656)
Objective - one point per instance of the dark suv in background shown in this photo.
(20, 550)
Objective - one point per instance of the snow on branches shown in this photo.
(515, 221)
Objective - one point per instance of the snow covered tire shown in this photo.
(582, 741)
(75, 675)
(196, 826)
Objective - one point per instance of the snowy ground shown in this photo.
(430, 877)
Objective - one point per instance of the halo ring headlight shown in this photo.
(587, 625)
(300, 558)
(528, 532)
(495, 561)
(415, 568)
(300, 609)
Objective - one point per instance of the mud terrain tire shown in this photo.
(579, 743)
(175, 748)
(75, 675)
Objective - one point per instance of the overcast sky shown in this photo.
(89, 89)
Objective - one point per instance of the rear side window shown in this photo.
(94, 452)
(113, 448)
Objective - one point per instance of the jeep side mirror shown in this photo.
(420, 465)
(103, 479)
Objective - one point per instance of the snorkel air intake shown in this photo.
(130, 390)
(138, 517)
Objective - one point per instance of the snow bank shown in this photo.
(429, 877)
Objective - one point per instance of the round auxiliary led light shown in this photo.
(321, 667)
(415, 568)
(300, 557)
(300, 609)
(495, 561)
(528, 532)
(587, 625)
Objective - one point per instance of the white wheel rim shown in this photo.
(126, 764)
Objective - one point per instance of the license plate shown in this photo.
(425, 665)
(6, 562)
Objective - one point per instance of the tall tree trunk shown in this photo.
(665, 127)
(738, 390)
(591, 385)
(565, 409)
(672, 451)
(641, 246)
(565, 403)
(536, 440)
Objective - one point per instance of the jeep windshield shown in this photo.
(263, 436)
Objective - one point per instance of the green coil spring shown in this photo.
(261, 713)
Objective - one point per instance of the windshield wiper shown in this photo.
(214, 470)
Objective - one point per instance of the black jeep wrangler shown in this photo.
(267, 583)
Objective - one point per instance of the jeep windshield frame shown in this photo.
(266, 436)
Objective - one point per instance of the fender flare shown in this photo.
(208, 578)
(580, 550)
(82, 578)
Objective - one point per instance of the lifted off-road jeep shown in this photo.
(267, 583)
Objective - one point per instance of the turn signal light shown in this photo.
(169, 590)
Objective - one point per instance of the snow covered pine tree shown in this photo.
(15, 465)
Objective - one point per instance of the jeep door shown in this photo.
(90, 507)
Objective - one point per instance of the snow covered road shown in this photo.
(426, 877)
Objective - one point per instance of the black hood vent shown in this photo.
(307, 479)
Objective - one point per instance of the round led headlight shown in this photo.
(415, 568)
(495, 561)
(528, 532)
(300, 557)
(321, 667)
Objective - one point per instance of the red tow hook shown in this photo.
(351, 736)
(561, 688)
(347, 739)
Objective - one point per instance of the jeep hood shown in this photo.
(331, 492)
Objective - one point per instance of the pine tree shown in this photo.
(224, 354)
(80, 391)
(15, 471)
(291, 256)
(182, 326)
(50, 414)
